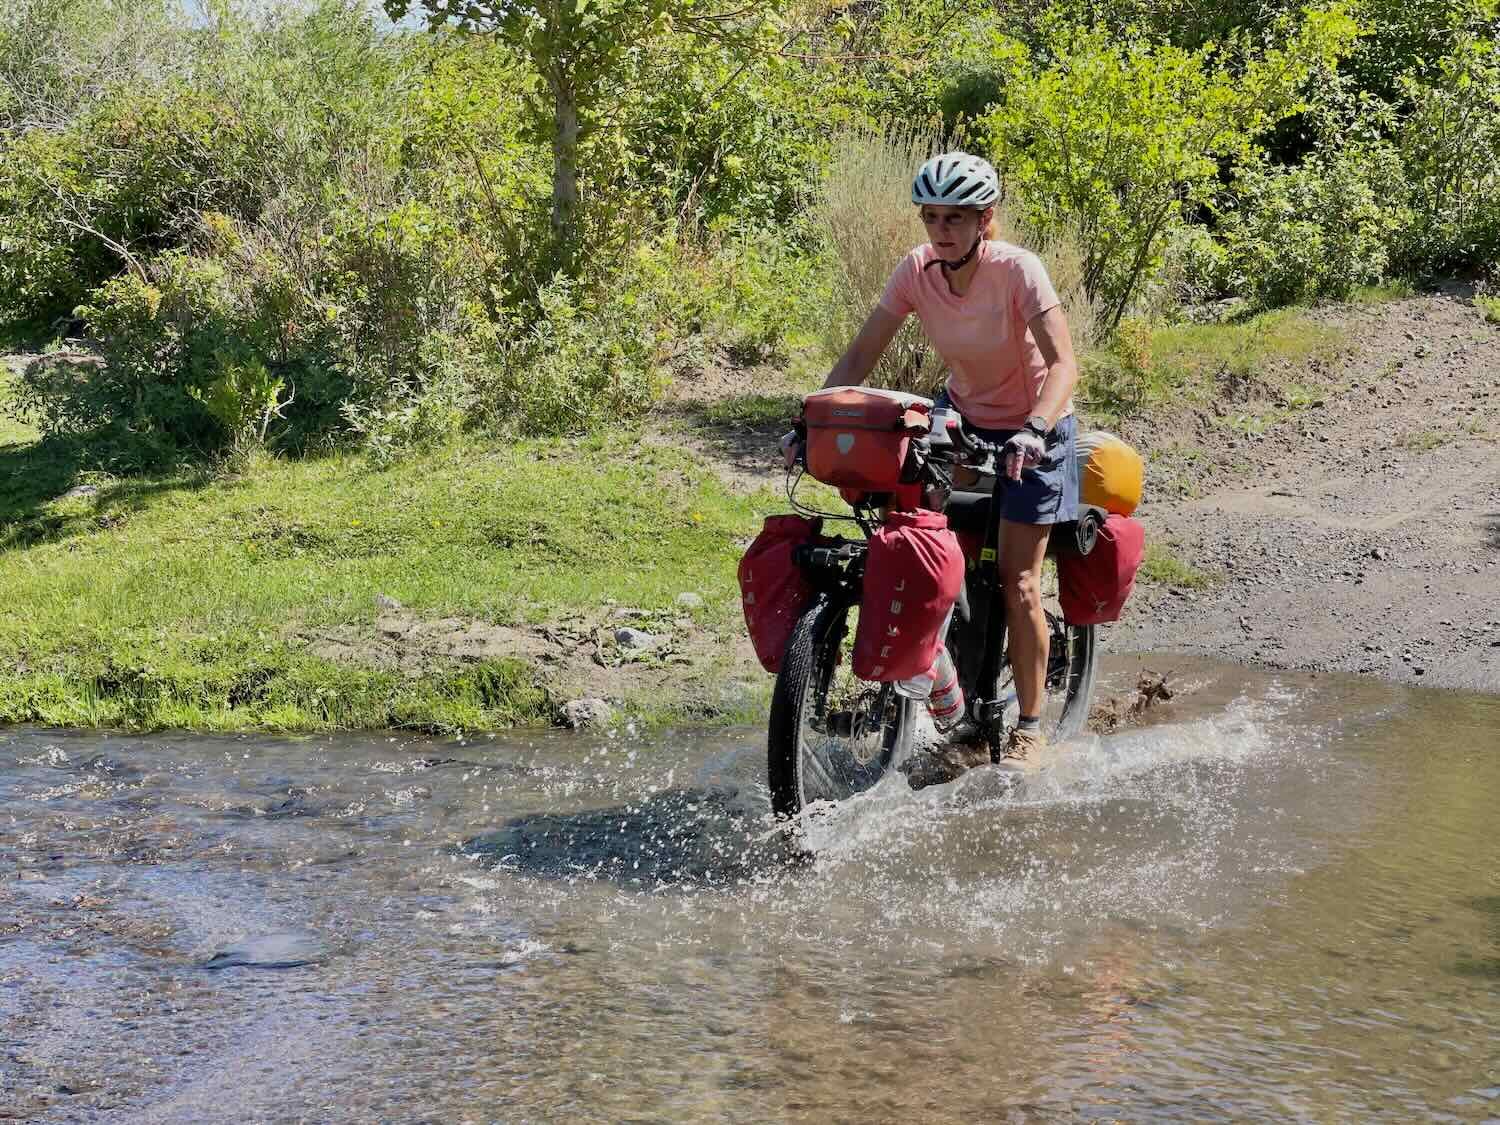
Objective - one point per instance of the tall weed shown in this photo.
(869, 224)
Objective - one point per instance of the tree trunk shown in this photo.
(564, 171)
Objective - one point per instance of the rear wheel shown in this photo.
(1070, 678)
(831, 735)
(1070, 681)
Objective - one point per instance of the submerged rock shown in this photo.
(271, 951)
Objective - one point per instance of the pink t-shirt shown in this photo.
(995, 369)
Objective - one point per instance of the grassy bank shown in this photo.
(190, 600)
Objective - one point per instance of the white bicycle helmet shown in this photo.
(956, 179)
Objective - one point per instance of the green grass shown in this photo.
(1208, 362)
(1489, 306)
(178, 599)
(757, 410)
(1394, 290)
(1423, 441)
(1161, 567)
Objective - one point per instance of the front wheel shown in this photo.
(831, 735)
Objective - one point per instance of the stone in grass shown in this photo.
(689, 600)
(636, 639)
(589, 712)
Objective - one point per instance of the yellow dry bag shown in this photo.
(1110, 473)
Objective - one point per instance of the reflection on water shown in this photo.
(1280, 900)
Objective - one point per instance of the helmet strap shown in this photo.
(962, 262)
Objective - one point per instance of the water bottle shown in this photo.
(938, 689)
(938, 686)
(945, 703)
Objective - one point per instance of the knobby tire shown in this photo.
(807, 672)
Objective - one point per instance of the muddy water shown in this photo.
(1278, 900)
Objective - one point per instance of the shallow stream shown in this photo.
(1278, 899)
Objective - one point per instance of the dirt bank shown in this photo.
(1362, 535)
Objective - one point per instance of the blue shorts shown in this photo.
(1047, 493)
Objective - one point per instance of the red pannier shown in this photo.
(913, 574)
(1093, 587)
(773, 589)
(858, 437)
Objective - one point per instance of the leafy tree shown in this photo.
(1117, 135)
(582, 50)
(1450, 144)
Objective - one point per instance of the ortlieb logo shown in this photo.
(846, 412)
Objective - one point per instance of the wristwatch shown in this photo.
(1037, 424)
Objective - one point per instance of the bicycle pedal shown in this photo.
(989, 712)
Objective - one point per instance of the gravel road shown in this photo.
(1362, 534)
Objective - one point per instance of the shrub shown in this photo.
(1450, 145)
(753, 294)
(163, 338)
(120, 182)
(1115, 135)
(58, 56)
(1319, 229)
(263, 330)
(590, 359)
(721, 140)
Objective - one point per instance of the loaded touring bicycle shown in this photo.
(866, 633)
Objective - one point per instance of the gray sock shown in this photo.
(1029, 722)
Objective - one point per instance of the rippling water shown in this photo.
(1279, 900)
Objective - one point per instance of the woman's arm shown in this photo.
(1050, 331)
(879, 329)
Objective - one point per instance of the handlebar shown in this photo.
(961, 448)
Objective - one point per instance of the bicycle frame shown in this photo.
(980, 628)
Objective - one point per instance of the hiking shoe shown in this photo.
(1022, 749)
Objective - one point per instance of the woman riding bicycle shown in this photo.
(991, 313)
